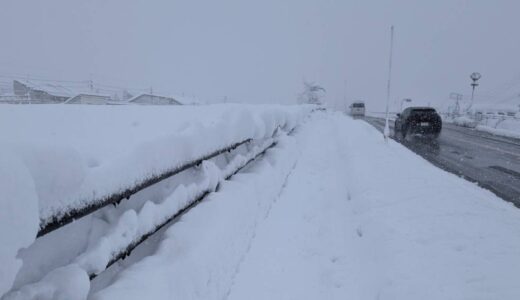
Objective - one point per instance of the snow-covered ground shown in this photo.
(506, 126)
(56, 157)
(463, 121)
(336, 213)
(77, 154)
(331, 212)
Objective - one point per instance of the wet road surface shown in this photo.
(491, 161)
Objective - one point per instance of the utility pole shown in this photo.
(457, 97)
(475, 76)
(386, 131)
(91, 84)
(29, 90)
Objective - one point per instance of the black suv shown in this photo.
(423, 121)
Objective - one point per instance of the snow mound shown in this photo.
(200, 255)
(77, 155)
(18, 214)
(508, 128)
(67, 283)
(58, 158)
(464, 121)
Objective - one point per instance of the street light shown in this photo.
(386, 131)
(405, 100)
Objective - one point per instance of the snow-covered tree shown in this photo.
(312, 93)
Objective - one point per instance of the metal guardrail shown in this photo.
(61, 220)
(196, 200)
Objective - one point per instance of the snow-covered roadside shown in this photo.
(507, 128)
(333, 212)
(357, 218)
(502, 127)
(80, 154)
(18, 215)
(38, 178)
(463, 121)
(200, 254)
(362, 219)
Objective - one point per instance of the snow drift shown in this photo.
(61, 157)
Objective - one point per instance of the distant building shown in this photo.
(89, 99)
(41, 92)
(149, 99)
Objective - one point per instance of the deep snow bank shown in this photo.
(78, 154)
(509, 128)
(464, 121)
(57, 157)
(200, 255)
(18, 215)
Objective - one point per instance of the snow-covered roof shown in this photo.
(154, 96)
(51, 88)
(106, 97)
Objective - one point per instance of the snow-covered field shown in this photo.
(331, 212)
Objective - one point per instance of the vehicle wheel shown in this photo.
(398, 133)
(406, 132)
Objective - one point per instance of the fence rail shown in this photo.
(63, 219)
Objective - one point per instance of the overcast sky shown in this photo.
(261, 51)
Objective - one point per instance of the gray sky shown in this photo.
(261, 51)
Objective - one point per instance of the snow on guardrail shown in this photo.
(75, 156)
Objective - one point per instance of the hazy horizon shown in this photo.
(262, 51)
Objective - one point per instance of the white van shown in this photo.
(357, 109)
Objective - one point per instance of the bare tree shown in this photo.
(312, 93)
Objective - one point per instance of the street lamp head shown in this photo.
(475, 76)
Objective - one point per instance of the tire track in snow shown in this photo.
(268, 212)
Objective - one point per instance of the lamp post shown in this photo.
(405, 100)
(386, 131)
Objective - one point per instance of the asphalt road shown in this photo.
(491, 161)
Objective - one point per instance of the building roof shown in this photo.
(154, 96)
(51, 88)
(106, 97)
